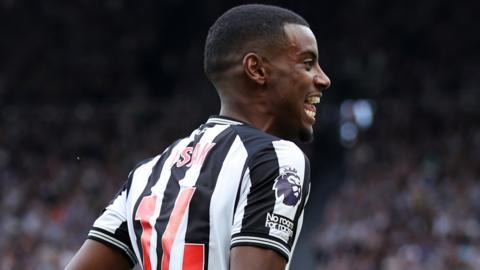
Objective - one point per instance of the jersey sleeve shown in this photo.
(110, 227)
(272, 197)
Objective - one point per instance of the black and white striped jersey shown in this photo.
(228, 184)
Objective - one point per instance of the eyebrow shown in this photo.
(309, 53)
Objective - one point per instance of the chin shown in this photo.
(306, 135)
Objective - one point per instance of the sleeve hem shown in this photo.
(243, 240)
(110, 241)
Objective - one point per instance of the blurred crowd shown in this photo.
(411, 198)
(87, 90)
(59, 167)
(411, 193)
(84, 96)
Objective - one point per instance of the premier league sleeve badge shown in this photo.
(288, 185)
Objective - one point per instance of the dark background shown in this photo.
(90, 88)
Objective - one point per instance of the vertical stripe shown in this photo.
(169, 196)
(130, 174)
(241, 186)
(173, 225)
(291, 157)
(139, 181)
(239, 214)
(264, 170)
(299, 223)
(154, 174)
(166, 189)
(305, 195)
(221, 205)
(204, 180)
(144, 214)
(169, 192)
(199, 214)
(181, 177)
(158, 189)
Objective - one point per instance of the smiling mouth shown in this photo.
(309, 106)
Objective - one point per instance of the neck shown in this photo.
(252, 113)
(244, 101)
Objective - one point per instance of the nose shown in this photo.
(321, 80)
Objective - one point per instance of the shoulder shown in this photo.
(257, 141)
(262, 146)
(289, 153)
(143, 169)
(287, 147)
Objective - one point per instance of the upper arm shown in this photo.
(96, 255)
(255, 258)
(269, 213)
(111, 227)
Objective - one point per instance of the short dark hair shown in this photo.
(252, 25)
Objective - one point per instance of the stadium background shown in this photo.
(89, 88)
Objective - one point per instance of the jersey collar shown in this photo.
(223, 120)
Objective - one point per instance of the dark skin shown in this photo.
(269, 92)
(96, 255)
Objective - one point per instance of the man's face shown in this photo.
(296, 82)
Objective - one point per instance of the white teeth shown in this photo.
(310, 113)
(313, 100)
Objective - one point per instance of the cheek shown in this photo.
(290, 94)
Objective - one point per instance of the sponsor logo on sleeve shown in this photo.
(280, 225)
(288, 186)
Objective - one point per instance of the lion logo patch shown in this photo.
(289, 186)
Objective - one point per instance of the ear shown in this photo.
(254, 68)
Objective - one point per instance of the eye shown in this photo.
(308, 64)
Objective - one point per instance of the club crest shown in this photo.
(289, 186)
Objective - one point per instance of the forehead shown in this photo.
(300, 38)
